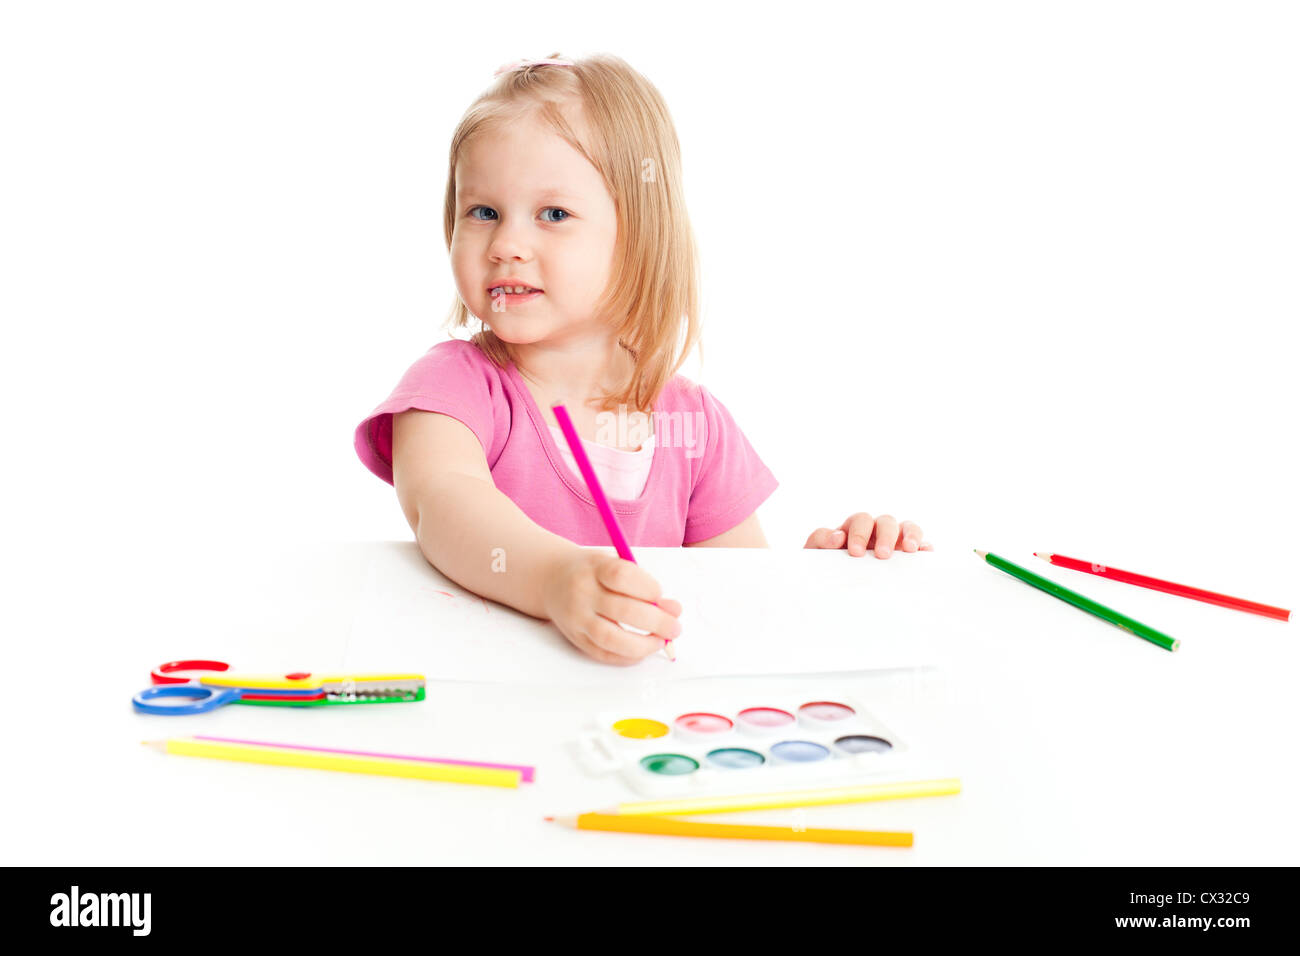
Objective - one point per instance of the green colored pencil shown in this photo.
(1081, 602)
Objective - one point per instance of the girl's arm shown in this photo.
(466, 528)
(747, 534)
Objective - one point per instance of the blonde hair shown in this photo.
(654, 284)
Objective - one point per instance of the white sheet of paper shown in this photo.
(745, 611)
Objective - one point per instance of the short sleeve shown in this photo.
(732, 481)
(453, 378)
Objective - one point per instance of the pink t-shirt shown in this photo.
(705, 478)
(622, 474)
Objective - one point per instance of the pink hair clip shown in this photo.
(522, 64)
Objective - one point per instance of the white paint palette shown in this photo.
(743, 743)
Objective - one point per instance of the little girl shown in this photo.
(571, 246)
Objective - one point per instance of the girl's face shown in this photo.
(530, 209)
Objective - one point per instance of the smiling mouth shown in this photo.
(500, 290)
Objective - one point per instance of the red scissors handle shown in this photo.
(162, 674)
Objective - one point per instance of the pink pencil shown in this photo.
(598, 495)
(525, 773)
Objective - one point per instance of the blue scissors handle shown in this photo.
(202, 699)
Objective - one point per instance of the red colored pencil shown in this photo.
(1169, 587)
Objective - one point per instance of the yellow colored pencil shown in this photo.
(726, 803)
(381, 766)
(731, 831)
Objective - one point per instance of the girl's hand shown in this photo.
(860, 532)
(588, 593)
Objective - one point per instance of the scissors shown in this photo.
(216, 687)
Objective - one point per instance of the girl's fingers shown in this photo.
(860, 531)
(584, 642)
(886, 535)
(909, 536)
(625, 577)
(825, 538)
(670, 606)
(858, 528)
(620, 646)
(639, 614)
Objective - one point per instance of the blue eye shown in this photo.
(488, 209)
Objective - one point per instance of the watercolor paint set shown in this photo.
(743, 742)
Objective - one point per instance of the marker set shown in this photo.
(742, 744)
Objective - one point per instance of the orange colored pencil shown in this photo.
(732, 831)
(1169, 587)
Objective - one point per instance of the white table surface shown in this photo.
(1076, 742)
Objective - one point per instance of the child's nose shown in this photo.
(509, 242)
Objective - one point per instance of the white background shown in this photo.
(1023, 272)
